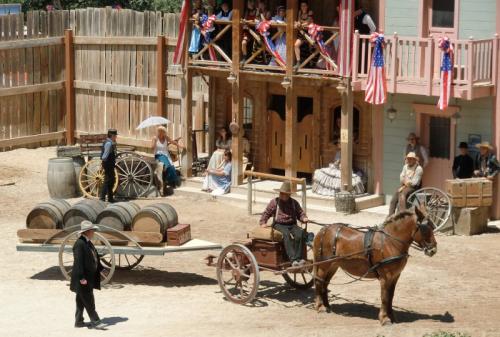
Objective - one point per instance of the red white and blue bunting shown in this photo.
(207, 27)
(446, 72)
(376, 87)
(316, 33)
(262, 28)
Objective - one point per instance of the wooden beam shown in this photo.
(69, 62)
(291, 148)
(377, 148)
(160, 76)
(495, 208)
(25, 140)
(291, 34)
(115, 88)
(116, 40)
(346, 130)
(29, 89)
(187, 123)
(122, 140)
(31, 43)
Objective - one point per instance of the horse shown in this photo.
(377, 253)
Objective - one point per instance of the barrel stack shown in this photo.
(87, 209)
(48, 214)
(157, 218)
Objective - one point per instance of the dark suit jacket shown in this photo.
(85, 266)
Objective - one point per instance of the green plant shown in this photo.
(446, 334)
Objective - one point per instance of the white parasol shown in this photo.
(152, 121)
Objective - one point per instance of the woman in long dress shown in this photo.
(222, 144)
(218, 181)
(194, 44)
(280, 41)
(159, 145)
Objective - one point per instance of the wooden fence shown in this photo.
(120, 59)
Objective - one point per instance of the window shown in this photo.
(439, 137)
(443, 13)
(247, 113)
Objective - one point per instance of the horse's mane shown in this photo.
(398, 217)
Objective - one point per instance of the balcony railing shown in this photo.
(217, 50)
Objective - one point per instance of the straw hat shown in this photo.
(484, 144)
(286, 188)
(411, 155)
(87, 226)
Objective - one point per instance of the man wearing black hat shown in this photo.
(108, 157)
(463, 165)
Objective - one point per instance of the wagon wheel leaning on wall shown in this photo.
(92, 178)
(103, 248)
(436, 202)
(135, 175)
(238, 274)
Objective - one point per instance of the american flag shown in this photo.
(315, 32)
(180, 49)
(446, 72)
(376, 87)
(207, 27)
(263, 28)
(346, 36)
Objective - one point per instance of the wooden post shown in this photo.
(429, 57)
(237, 95)
(394, 63)
(355, 55)
(249, 195)
(346, 130)
(211, 114)
(69, 61)
(471, 61)
(378, 148)
(187, 123)
(291, 35)
(495, 208)
(160, 76)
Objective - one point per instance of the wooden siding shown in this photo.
(402, 17)
(477, 18)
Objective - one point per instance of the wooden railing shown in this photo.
(221, 34)
(325, 64)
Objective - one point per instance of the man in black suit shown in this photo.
(85, 276)
(463, 164)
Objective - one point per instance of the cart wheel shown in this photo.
(302, 279)
(135, 175)
(123, 261)
(92, 177)
(238, 274)
(436, 203)
(103, 248)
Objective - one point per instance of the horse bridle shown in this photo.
(423, 227)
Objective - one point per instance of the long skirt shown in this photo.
(168, 170)
(217, 160)
(194, 45)
(327, 181)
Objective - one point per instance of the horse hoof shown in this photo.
(322, 309)
(386, 322)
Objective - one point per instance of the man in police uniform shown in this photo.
(108, 157)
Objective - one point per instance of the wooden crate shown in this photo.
(178, 235)
(268, 254)
(475, 192)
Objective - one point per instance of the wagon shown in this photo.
(117, 250)
(240, 264)
(436, 202)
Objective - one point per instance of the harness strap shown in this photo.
(335, 238)
(384, 262)
(368, 242)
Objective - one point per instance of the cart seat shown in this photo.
(266, 234)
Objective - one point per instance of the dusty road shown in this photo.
(177, 295)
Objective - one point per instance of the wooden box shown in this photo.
(475, 192)
(178, 235)
(268, 254)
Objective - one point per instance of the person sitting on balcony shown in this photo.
(363, 22)
(280, 41)
(410, 180)
(415, 147)
(197, 12)
(486, 163)
(305, 17)
(225, 14)
(463, 164)
(249, 15)
(218, 181)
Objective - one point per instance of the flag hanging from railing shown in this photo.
(207, 27)
(446, 72)
(346, 37)
(180, 49)
(262, 28)
(376, 87)
(316, 33)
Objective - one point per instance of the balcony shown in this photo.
(412, 63)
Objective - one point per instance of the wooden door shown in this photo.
(438, 136)
(276, 140)
(305, 134)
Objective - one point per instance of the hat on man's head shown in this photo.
(484, 144)
(113, 132)
(87, 226)
(286, 188)
(411, 155)
(463, 145)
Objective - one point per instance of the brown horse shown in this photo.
(379, 253)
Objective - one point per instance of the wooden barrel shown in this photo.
(61, 179)
(78, 163)
(84, 210)
(118, 216)
(48, 215)
(155, 218)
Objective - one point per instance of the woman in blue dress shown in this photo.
(218, 181)
(160, 148)
(194, 44)
(280, 41)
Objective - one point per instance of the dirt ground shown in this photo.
(177, 295)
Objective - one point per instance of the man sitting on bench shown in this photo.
(285, 211)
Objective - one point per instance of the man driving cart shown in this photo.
(285, 212)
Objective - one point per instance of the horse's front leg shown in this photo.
(392, 289)
(383, 315)
(320, 288)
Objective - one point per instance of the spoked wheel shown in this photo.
(103, 248)
(238, 274)
(436, 203)
(123, 261)
(92, 178)
(135, 175)
(302, 278)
